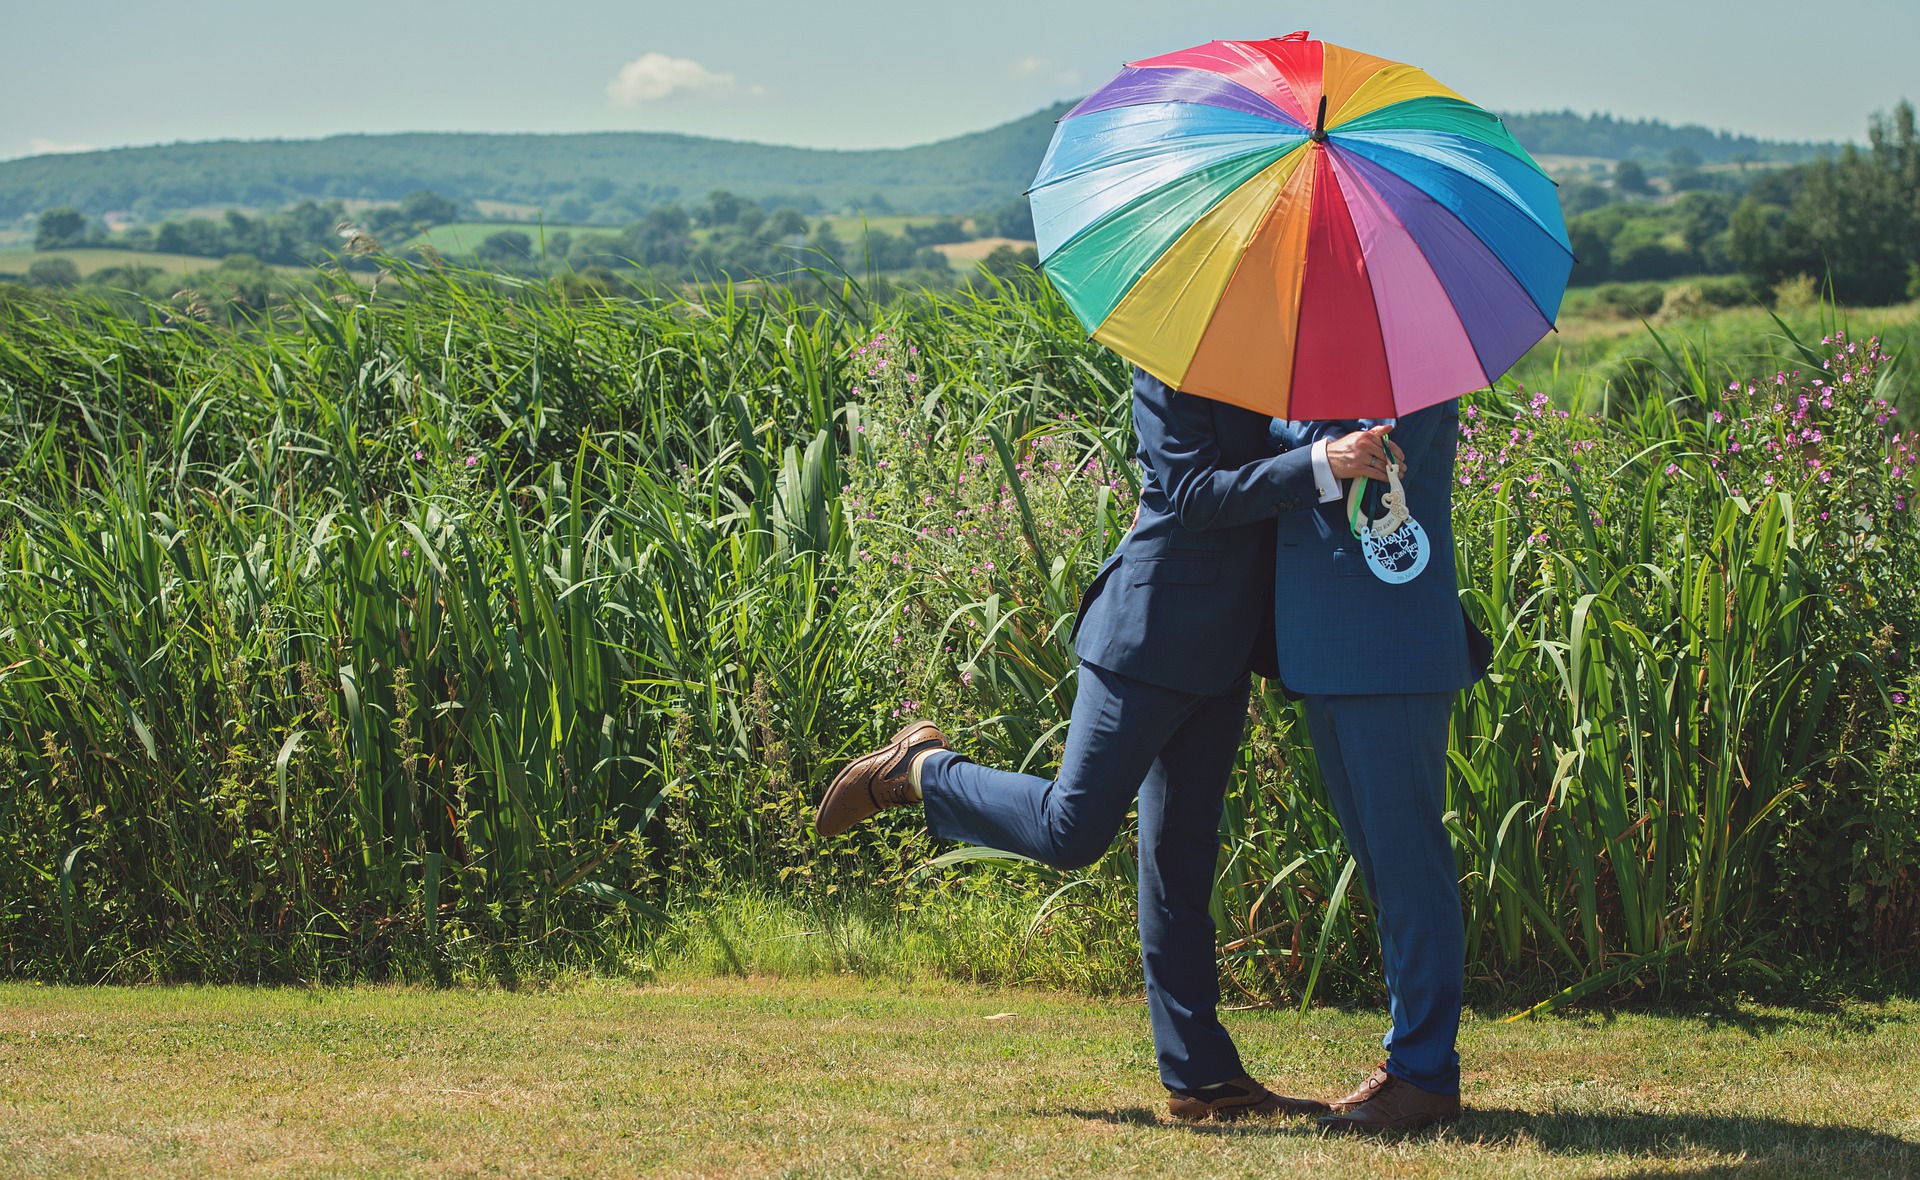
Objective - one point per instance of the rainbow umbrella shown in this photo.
(1300, 229)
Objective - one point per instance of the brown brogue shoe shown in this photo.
(1395, 1104)
(876, 781)
(1243, 1096)
(1363, 1091)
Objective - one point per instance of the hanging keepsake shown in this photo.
(1395, 546)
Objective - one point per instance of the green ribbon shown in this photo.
(1357, 505)
(1357, 499)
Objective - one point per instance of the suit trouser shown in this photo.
(1384, 760)
(1175, 751)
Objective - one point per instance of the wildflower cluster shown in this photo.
(1824, 436)
(970, 535)
(1494, 437)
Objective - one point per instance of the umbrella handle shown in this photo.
(1320, 124)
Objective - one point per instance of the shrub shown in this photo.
(53, 272)
(1630, 300)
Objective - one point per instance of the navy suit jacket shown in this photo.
(1342, 631)
(1186, 601)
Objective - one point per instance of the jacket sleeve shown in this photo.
(1176, 431)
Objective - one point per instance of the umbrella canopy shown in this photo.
(1300, 229)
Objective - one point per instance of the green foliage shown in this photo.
(1013, 219)
(297, 236)
(1854, 219)
(1012, 266)
(613, 178)
(61, 227)
(506, 246)
(1629, 177)
(410, 630)
(1639, 242)
(53, 272)
(608, 178)
(1564, 133)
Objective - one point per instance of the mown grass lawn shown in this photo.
(837, 1076)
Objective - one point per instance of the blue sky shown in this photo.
(848, 73)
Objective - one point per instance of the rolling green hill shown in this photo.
(606, 177)
(611, 178)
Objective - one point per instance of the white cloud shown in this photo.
(653, 77)
(37, 146)
(1043, 67)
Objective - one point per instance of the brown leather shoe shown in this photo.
(1390, 1104)
(876, 781)
(1246, 1097)
(1363, 1091)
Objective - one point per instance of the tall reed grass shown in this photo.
(462, 624)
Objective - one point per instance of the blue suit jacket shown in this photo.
(1186, 601)
(1342, 631)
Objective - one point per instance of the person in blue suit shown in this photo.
(1378, 665)
(1168, 633)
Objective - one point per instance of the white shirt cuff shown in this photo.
(1323, 481)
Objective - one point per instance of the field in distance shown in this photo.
(87, 261)
(463, 239)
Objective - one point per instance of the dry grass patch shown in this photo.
(840, 1077)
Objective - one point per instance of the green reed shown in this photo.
(457, 622)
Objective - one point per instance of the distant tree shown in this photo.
(1011, 220)
(885, 251)
(1756, 236)
(1681, 155)
(1853, 220)
(1701, 218)
(58, 227)
(241, 282)
(53, 272)
(722, 208)
(938, 233)
(604, 250)
(1630, 177)
(509, 245)
(785, 222)
(751, 218)
(559, 243)
(806, 203)
(1011, 265)
(668, 219)
(661, 238)
(1578, 196)
(1642, 251)
(427, 207)
(1592, 251)
(1682, 180)
(826, 244)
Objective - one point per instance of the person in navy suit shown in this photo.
(1168, 633)
(1378, 665)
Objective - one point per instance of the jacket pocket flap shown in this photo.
(1179, 570)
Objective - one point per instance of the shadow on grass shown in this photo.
(1656, 1136)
